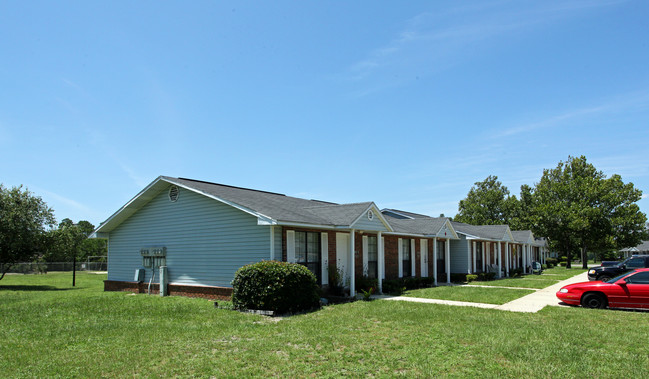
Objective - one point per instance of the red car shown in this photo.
(629, 290)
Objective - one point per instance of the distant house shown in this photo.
(482, 248)
(643, 248)
(203, 232)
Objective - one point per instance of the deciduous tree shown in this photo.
(24, 218)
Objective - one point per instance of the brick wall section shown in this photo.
(331, 239)
(205, 292)
(391, 250)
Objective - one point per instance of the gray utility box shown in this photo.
(139, 275)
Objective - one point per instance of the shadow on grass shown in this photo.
(33, 288)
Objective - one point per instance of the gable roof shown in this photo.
(486, 232)
(523, 236)
(425, 225)
(270, 208)
(396, 213)
(643, 247)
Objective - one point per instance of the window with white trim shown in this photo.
(407, 257)
(372, 257)
(308, 252)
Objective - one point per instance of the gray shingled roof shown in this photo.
(278, 206)
(424, 225)
(642, 248)
(404, 213)
(522, 236)
(490, 232)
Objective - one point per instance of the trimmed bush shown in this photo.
(393, 286)
(486, 276)
(363, 283)
(470, 278)
(275, 286)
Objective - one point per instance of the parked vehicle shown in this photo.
(605, 273)
(609, 263)
(628, 290)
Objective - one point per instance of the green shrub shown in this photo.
(363, 283)
(470, 278)
(393, 286)
(563, 264)
(486, 276)
(458, 278)
(515, 272)
(275, 286)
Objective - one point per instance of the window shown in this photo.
(639, 278)
(372, 257)
(635, 263)
(307, 251)
(441, 254)
(478, 256)
(407, 258)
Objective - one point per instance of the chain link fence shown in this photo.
(43, 267)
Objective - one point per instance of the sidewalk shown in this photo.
(536, 301)
(531, 303)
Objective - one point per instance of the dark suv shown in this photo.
(605, 273)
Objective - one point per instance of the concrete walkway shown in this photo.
(531, 303)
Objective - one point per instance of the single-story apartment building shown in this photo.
(202, 232)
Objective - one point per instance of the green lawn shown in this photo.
(547, 278)
(49, 329)
(470, 294)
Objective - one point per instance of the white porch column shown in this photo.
(447, 258)
(435, 261)
(352, 260)
(488, 253)
(499, 258)
(507, 247)
(474, 258)
(507, 259)
(525, 252)
(381, 261)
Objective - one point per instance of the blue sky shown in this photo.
(405, 104)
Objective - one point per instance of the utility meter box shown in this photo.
(154, 257)
(139, 275)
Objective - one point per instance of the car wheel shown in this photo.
(604, 278)
(593, 300)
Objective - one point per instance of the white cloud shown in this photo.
(629, 102)
(432, 41)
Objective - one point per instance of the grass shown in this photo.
(49, 329)
(470, 294)
(547, 278)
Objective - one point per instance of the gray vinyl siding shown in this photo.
(459, 259)
(206, 240)
(370, 225)
(278, 243)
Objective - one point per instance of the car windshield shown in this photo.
(617, 278)
(623, 262)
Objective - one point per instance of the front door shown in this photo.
(342, 256)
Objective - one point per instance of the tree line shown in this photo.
(28, 232)
(574, 205)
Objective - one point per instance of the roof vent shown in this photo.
(173, 194)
